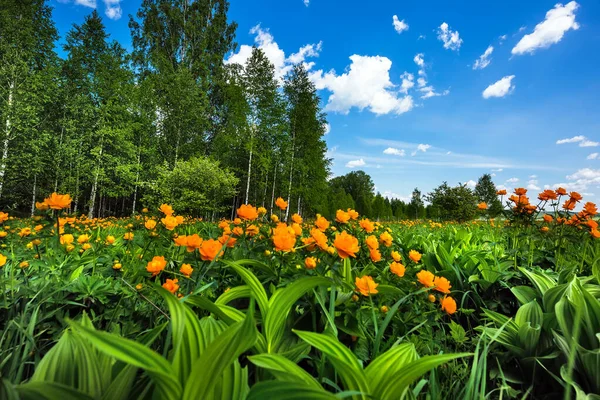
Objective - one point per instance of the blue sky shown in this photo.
(444, 91)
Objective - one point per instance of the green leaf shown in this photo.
(387, 365)
(542, 281)
(50, 391)
(75, 274)
(287, 390)
(524, 293)
(256, 287)
(284, 369)
(219, 311)
(238, 292)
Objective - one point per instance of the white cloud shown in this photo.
(266, 42)
(502, 38)
(582, 140)
(421, 82)
(407, 82)
(429, 91)
(499, 89)
(327, 128)
(87, 3)
(394, 151)
(551, 30)
(532, 176)
(421, 147)
(592, 156)
(421, 37)
(399, 26)
(533, 186)
(471, 183)
(355, 163)
(365, 84)
(113, 9)
(512, 180)
(484, 60)
(419, 60)
(497, 170)
(450, 38)
(306, 2)
(585, 173)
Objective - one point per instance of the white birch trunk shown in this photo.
(273, 192)
(6, 136)
(249, 166)
(33, 196)
(137, 180)
(287, 211)
(95, 187)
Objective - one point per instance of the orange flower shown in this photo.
(193, 242)
(238, 231)
(297, 229)
(442, 284)
(321, 223)
(297, 218)
(150, 224)
(386, 239)
(547, 194)
(592, 224)
(237, 221)
(448, 304)
(171, 285)
(574, 196)
(544, 229)
(375, 255)
(157, 264)
(431, 298)
(58, 201)
(367, 225)
(426, 278)
(43, 206)
(353, 214)
(180, 240)
(561, 191)
(247, 212)
(83, 239)
(283, 238)
(482, 206)
(590, 209)
(342, 216)
(128, 236)
(346, 245)
(227, 239)
(396, 256)
(210, 249)
(186, 269)
(66, 239)
(3, 259)
(501, 192)
(414, 255)
(366, 285)
(548, 218)
(310, 262)
(170, 222)
(595, 233)
(252, 230)
(319, 238)
(520, 191)
(397, 269)
(110, 239)
(372, 242)
(569, 205)
(166, 209)
(282, 204)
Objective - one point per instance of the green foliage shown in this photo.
(454, 203)
(485, 190)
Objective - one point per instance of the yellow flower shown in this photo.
(282, 204)
(83, 239)
(397, 269)
(396, 256)
(186, 269)
(274, 218)
(117, 266)
(384, 309)
(310, 262)
(2, 260)
(261, 211)
(366, 285)
(86, 246)
(414, 255)
(150, 224)
(58, 201)
(128, 236)
(157, 264)
(66, 239)
(139, 286)
(110, 239)
(386, 239)
(166, 209)
(171, 285)
(24, 264)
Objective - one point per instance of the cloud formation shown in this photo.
(500, 88)
(450, 38)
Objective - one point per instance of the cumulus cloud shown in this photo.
(421, 147)
(502, 38)
(499, 89)
(426, 90)
(86, 3)
(394, 151)
(266, 42)
(498, 170)
(113, 9)
(356, 163)
(408, 81)
(582, 140)
(326, 128)
(306, 2)
(484, 59)
(592, 156)
(399, 26)
(471, 183)
(551, 30)
(365, 84)
(450, 38)
(512, 180)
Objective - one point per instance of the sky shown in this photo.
(420, 92)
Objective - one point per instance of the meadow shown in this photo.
(165, 306)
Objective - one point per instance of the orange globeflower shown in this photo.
(501, 192)
(592, 224)
(321, 223)
(569, 205)
(247, 212)
(442, 284)
(3, 259)
(180, 240)
(171, 285)
(366, 285)
(193, 242)
(227, 239)
(281, 203)
(66, 239)
(342, 216)
(414, 255)
(595, 233)
(150, 224)
(157, 264)
(482, 206)
(367, 225)
(284, 238)
(43, 206)
(166, 209)
(426, 278)
(186, 269)
(210, 249)
(353, 214)
(375, 255)
(590, 209)
(547, 194)
(520, 191)
(3, 217)
(58, 201)
(170, 222)
(397, 269)
(346, 245)
(83, 239)
(574, 196)
(261, 211)
(372, 242)
(548, 218)
(310, 262)
(448, 304)
(297, 218)
(561, 191)
(386, 239)
(319, 238)
(110, 239)
(128, 236)
(396, 256)
(237, 231)
(252, 230)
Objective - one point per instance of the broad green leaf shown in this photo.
(256, 287)
(50, 391)
(75, 274)
(542, 281)
(238, 292)
(287, 390)
(387, 365)
(524, 293)
(205, 304)
(284, 369)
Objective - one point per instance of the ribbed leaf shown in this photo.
(542, 281)
(388, 364)
(280, 306)
(219, 355)
(131, 352)
(50, 391)
(399, 382)
(284, 369)
(345, 363)
(205, 304)
(238, 292)
(524, 293)
(256, 287)
(287, 390)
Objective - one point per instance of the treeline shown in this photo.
(169, 121)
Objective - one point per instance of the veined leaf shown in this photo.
(284, 369)
(542, 281)
(287, 390)
(256, 287)
(238, 292)
(387, 365)
(50, 391)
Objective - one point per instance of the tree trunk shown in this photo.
(299, 213)
(273, 192)
(33, 196)
(7, 128)
(249, 166)
(289, 196)
(137, 180)
(95, 186)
